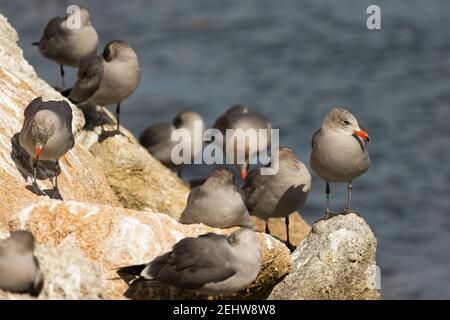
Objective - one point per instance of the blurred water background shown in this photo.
(293, 60)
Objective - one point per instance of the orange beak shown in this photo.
(243, 174)
(362, 134)
(38, 152)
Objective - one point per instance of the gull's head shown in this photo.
(118, 49)
(221, 175)
(85, 16)
(42, 129)
(342, 121)
(186, 119)
(23, 238)
(245, 238)
(83, 13)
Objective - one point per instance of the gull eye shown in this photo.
(346, 122)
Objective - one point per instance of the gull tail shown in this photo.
(66, 93)
(131, 270)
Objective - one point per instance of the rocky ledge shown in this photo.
(116, 205)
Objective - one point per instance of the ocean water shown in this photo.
(293, 61)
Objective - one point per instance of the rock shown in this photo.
(81, 177)
(4, 295)
(335, 261)
(69, 275)
(298, 228)
(140, 181)
(116, 237)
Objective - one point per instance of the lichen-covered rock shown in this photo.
(298, 228)
(69, 275)
(140, 181)
(335, 261)
(117, 237)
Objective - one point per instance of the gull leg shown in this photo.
(61, 70)
(35, 164)
(118, 117)
(288, 241)
(57, 167)
(267, 231)
(327, 192)
(102, 122)
(179, 171)
(328, 213)
(349, 198)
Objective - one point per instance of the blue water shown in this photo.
(294, 60)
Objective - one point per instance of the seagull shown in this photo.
(210, 264)
(19, 268)
(109, 79)
(339, 152)
(280, 194)
(218, 202)
(67, 45)
(157, 138)
(241, 117)
(47, 132)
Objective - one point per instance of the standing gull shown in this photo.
(280, 194)
(157, 138)
(109, 79)
(67, 45)
(210, 264)
(218, 202)
(339, 151)
(47, 132)
(19, 268)
(240, 117)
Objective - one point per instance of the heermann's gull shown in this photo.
(157, 138)
(109, 79)
(217, 203)
(67, 45)
(47, 132)
(339, 151)
(280, 194)
(210, 264)
(19, 268)
(240, 117)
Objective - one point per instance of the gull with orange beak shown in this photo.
(339, 151)
(47, 132)
(245, 119)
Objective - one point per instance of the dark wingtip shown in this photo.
(131, 270)
(66, 92)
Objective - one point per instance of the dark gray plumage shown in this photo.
(241, 117)
(157, 138)
(280, 194)
(47, 131)
(68, 46)
(339, 151)
(209, 264)
(218, 202)
(19, 268)
(109, 79)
